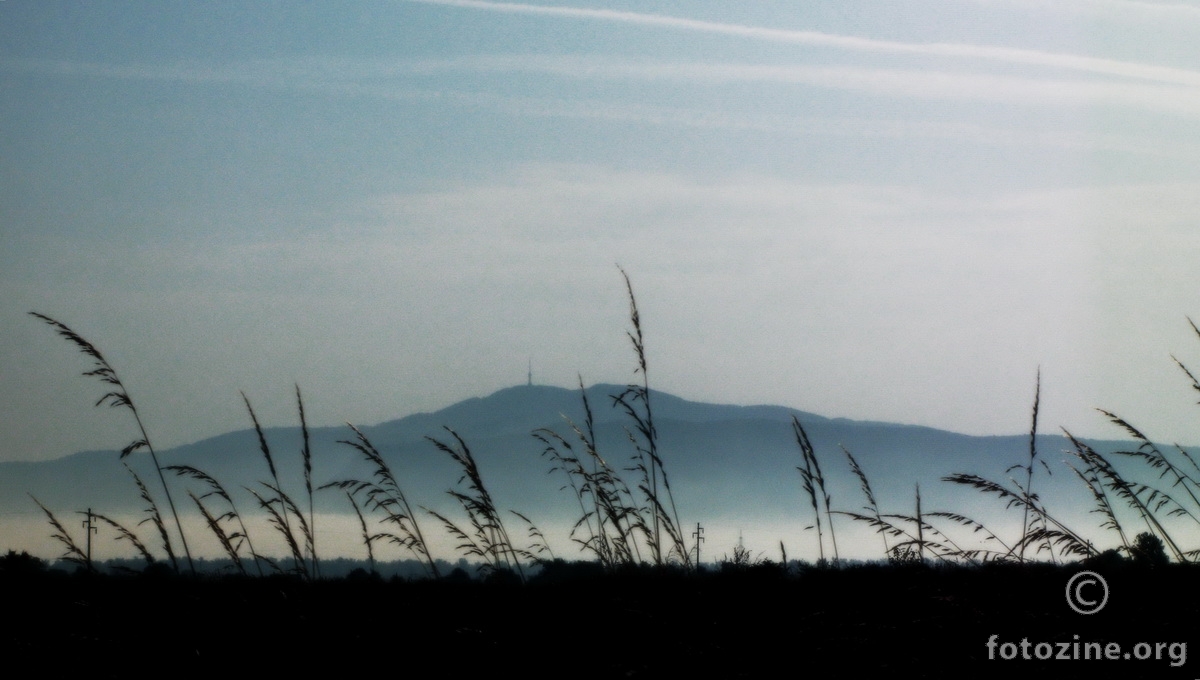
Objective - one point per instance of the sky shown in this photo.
(896, 211)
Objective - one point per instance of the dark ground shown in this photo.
(866, 621)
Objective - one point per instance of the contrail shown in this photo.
(1110, 67)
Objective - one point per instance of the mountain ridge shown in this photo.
(726, 462)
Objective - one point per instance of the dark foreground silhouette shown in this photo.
(571, 621)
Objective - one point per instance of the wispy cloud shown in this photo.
(889, 82)
(388, 80)
(1174, 8)
(1166, 10)
(395, 79)
(1110, 67)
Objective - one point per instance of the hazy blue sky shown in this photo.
(882, 210)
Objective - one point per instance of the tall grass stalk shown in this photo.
(982, 553)
(539, 547)
(216, 489)
(368, 539)
(865, 485)
(280, 517)
(813, 483)
(923, 537)
(306, 456)
(124, 534)
(1155, 459)
(154, 517)
(489, 539)
(383, 493)
(606, 505)
(1130, 492)
(1103, 503)
(920, 528)
(1038, 526)
(73, 553)
(1052, 531)
(119, 397)
(1037, 396)
(1109, 487)
(223, 537)
(563, 459)
(277, 517)
(635, 401)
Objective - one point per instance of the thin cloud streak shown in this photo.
(785, 124)
(1129, 8)
(363, 78)
(368, 79)
(906, 83)
(1110, 67)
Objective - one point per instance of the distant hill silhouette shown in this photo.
(723, 461)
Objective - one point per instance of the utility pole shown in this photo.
(698, 534)
(89, 529)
